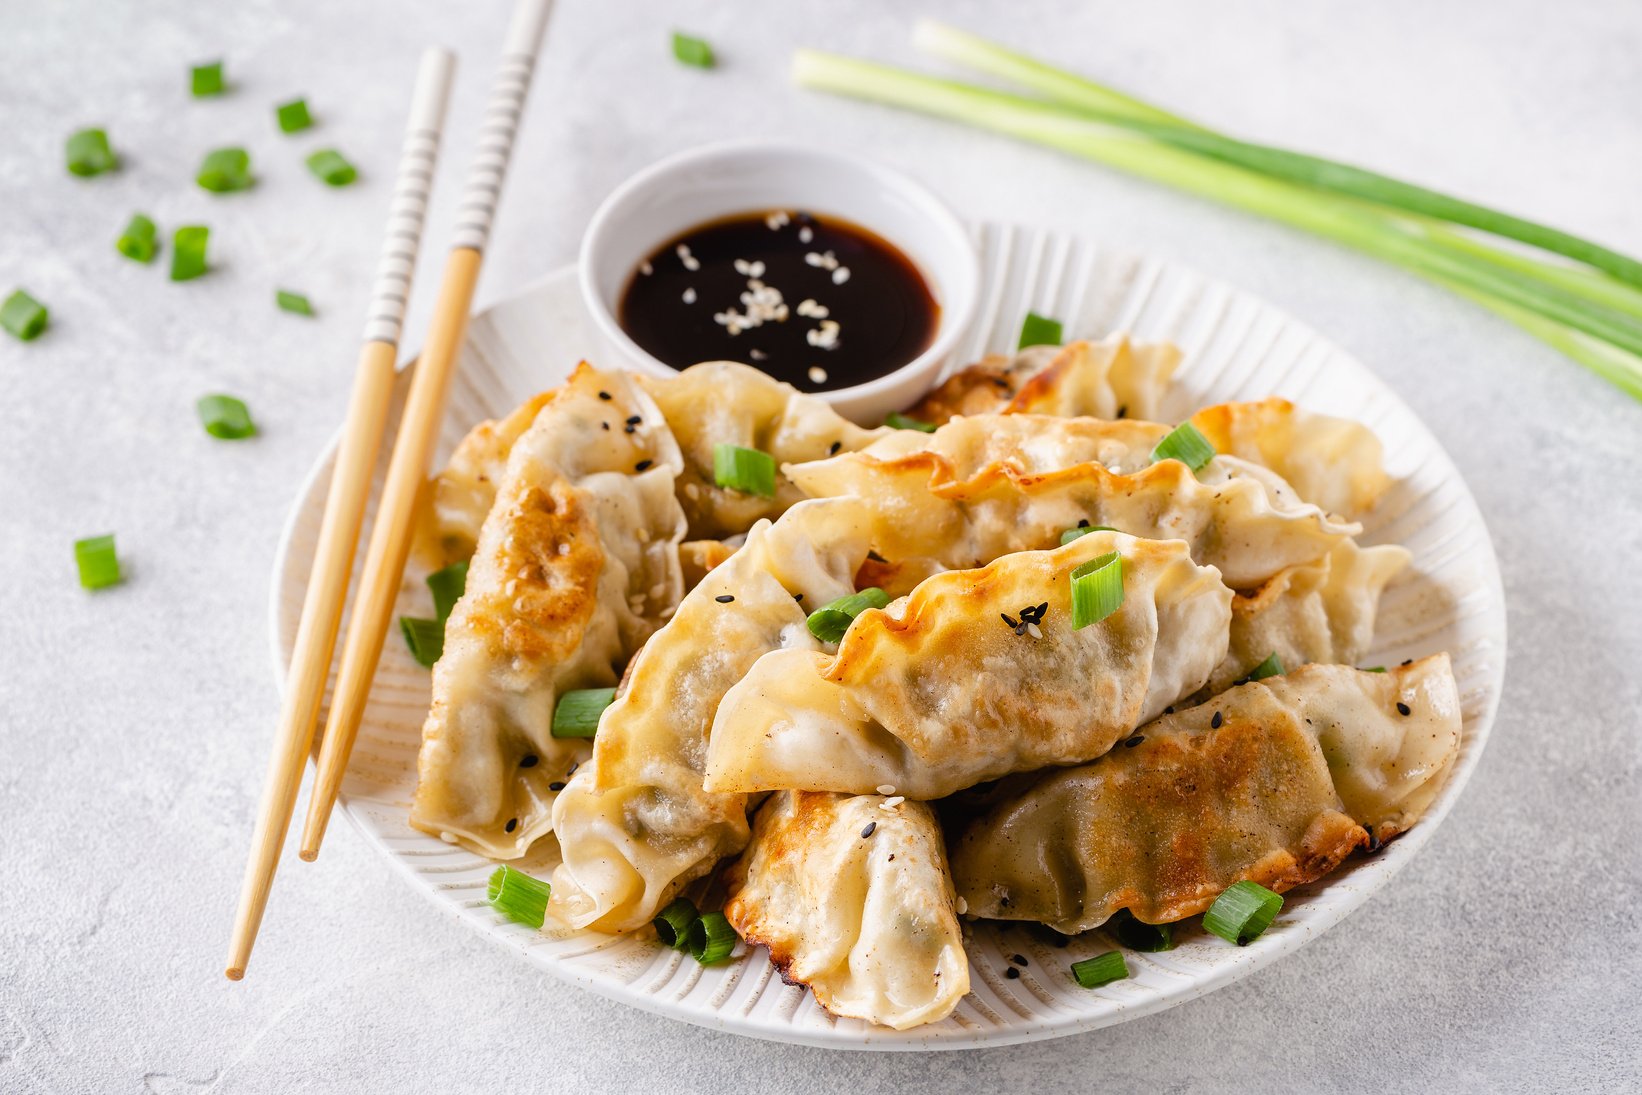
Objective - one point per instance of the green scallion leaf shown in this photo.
(23, 316)
(1242, 912)
(674, 923)
(206, 79)
(447, 586)
(188, 251)
(829, 622)
(1082, 530)
(330, 165)
(1100, 970)
(1138, 935)
(426, 639)
(746, 470)
(293, 116)
(98, 563)
(1039, 330)
(1374, 669)
(895, 420)
(1097, 590)
(139, 241)
(89, 153)
(293, 302)
(225, 169)
(711, 939)
(1271, 667)
(578, 711)
(518, 896)
(1186, 444)
(225, 417)
(694, 52)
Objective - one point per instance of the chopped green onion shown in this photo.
(1241, 913)
(89, 154)
(225, 169)
(577, 715)
(1039, 330)
(1097, 590)
(518, 896)
(1082, 530)
(1374, 669)
(138, 241)
(711, 939)
(206, 79)
(188, 251)
(225, 417)
(293, 116)
(674, 923)
(447, 586)
(330, 165)
(293, 302)
(98, 563)
(23, 316)
(829, 622)
(1271, 667)
(1138, 935)
(1100, 970)
(426, 639)
(746, 470)
(693, 51)
(898, 421)
(1186, 444)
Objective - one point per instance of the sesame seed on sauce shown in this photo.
(688, 296)
(642, 464)
(872, 827)
(1214, 723)
(512, 824)
(528, 760)
(1012, 973)
(556, 785)
(818, 375)
(724, 598)
(606, 396)
(1404, 709)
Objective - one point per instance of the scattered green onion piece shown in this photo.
(1271, 667)
(829, 622)
(139, 240)
(518, 896)
(895, 420)
(225, 169)
(89, 154)
(1186, 444)
(1100, 970)
(711, 939)
(1374, 669)
(578, 711)
(694, 52)
(746, 470)
(225, 417)
(23, 316)
(1039, 330)
(331, 166)
(293, 302)
(1097, 590)
(426, 639)
(1083, 530)
(1241, 913)
(98, 563)
(674, 923)
(188, 252)
(1138, 935)
(207, 79)
(447, 586)
(293, 116)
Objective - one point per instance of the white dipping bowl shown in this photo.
(669, 198)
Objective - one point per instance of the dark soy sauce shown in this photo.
(818, 302)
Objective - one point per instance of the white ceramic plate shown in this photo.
(1235, 348)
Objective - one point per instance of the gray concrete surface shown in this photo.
(134, 722)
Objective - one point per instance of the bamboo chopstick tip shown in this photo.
(235, 973)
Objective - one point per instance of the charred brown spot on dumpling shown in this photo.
(979, 389)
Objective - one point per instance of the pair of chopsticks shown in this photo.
(356, 456)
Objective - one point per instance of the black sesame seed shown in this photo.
(575, 764)
(1408, 661)
(1214, 723)
(1001, 382)
(1019, 960)
(798, 596)
(1123, 411)
(1169, 710)
(1374, 843)
(1404, 709)
(606, 425)
(724, 598)
(1008, 619)
(512, 824)
(1134, 741)
(892, 857)
(1012, 973)
(1083, 522)
(642, 464)
(604, 395)
(629, 428)
(528, 760)
(634, 420)
(868, 831)
(556, 785)
(836, 445)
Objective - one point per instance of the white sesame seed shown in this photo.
(963, 906)
(755, 269)
(757, 355)
(743, 267)
(818, 375)
(841, 275)
(805, 234)
(1032, 629)
(646, 269)
(512, 584)
(810, 309)
(692, 491)
(886, 788)
(564, 549)
(689, 296)
(891, 803)
(448, 838)
(777, 220)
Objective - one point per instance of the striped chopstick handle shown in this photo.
(409, 208)
(501, 125)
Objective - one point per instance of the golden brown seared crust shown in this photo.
(460, 496)
(698, 557)
(782, 851)
(979, 389)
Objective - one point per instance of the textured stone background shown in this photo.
(135, 721)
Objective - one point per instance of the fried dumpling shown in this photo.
(460, 496)
(1332, 462)
(856, 902)
(576, 565)
(1113, 378)
(979, 673)
(1276, 781)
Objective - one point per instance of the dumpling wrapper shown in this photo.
(576, 565)
(460, 496)
(1112, 378)
(1332, 462)
(867, 922)
(1299, 772)
(939, 692)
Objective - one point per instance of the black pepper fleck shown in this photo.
(642, 464)
(512, 824)
(724, 598)
(868, 831)
(1404, 709)
(528, 760)
(1214, 723)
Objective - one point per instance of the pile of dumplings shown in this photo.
(964, 751)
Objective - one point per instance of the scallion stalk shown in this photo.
(447, 587)
(225, 417)
(1102, 969)
(1039, 330)
(746, 470)
(97, 561)
(518, 896)
(577, 713)
(1271, 667)
(673, 923)
(829, 622)
(23, 316)
(139, 241)
(1186, 444)
(1082, 530)
(426, 639)
(895, 420)
(1097, 590)
(1242, 912)
(711, 939)
(88, 153)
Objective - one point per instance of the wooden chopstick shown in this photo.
(418, 430)
(345, 504)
